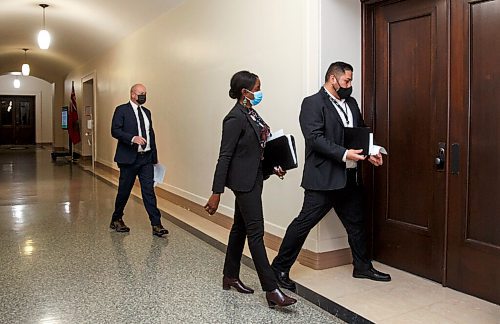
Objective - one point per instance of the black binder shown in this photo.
(356, 138)
(279, 151)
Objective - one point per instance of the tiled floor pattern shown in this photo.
(406, 299)
(59, 262)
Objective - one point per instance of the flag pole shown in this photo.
(70, 141)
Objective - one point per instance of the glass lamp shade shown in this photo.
(17, 83)
(43, 39)
(25, 69)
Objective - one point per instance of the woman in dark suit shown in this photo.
(244, 135)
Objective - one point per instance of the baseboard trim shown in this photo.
(314, 260)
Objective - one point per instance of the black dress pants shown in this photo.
(347, 203)
(249, 222)
(143, 168)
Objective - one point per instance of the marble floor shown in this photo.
(406, 299)
(59, 262)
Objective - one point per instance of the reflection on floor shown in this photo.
(406, 299)
(59, 263)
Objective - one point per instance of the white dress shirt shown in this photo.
(146, 123)
(343, 111)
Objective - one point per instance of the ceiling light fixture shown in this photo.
(26, 67)
(43, 35)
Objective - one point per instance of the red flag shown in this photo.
(73, 126)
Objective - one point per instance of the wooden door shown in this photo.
(473, 258)
(409, 116)
(17, 120)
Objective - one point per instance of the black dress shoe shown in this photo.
(371, 274)
(119, 226)
(284, 280)
(159, 230)
(278, 298)
(236, 283)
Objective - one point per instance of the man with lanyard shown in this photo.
(331, 176)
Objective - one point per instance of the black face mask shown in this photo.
(344, 93)
(141, 99)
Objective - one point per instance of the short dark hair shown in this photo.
(241, 80)
(338, 69)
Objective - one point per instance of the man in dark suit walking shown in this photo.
(331, 178)
(135, 154)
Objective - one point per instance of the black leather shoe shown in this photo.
(278, 298)
(159, 230)
(119, 226)
(284, 280)
(236, 283)
(371, 274)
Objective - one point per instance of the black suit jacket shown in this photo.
(322, 128)
(240, 152)
(123, 128)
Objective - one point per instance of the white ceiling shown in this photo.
(80, 30)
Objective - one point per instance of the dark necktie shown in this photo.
(143, 125)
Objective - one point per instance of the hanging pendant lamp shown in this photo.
(26, 67)
(43, 35)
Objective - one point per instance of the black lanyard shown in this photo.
(344, 112)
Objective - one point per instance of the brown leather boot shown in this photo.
(236, 283)
(278, 298)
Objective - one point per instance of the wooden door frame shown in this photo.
(92, 76)
(33, 98)
(368, 100)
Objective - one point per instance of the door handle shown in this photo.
(440, 159)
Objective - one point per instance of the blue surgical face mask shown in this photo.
(257, 97)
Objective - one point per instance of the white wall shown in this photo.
(186, 58)
(340, 41)
(44, 92)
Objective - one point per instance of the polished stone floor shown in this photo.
(59, 263)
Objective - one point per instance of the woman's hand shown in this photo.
(212, 204)
(279, 172)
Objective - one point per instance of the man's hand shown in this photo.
(355, 155)
(376, 160)
(139, 140)
(212, 204)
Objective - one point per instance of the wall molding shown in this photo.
(314, 260)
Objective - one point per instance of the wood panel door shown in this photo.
(17, 120)
(473, 258)
(410, 119)
(431, 92)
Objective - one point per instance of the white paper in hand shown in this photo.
(376, 149)
(158, 173)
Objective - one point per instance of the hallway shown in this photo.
(59, 263)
